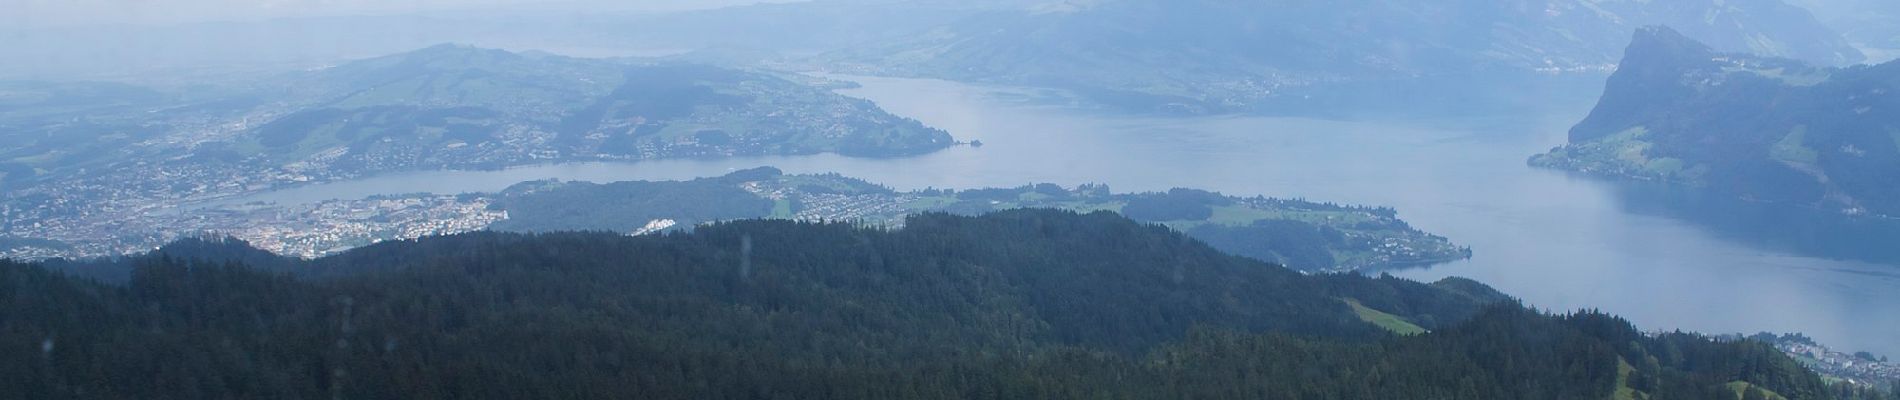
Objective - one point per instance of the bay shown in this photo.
(1665, 257)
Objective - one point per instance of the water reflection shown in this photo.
(1780, 227)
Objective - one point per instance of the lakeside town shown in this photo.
(1861, 368)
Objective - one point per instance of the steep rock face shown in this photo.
(1762, 128)
(1644, 83)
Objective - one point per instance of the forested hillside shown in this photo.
(1759, 128)
(1015, 304)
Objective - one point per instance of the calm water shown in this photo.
(1666, 258)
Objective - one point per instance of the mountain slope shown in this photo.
(79, 160)
(1760, 128)
(442, 106)
(1218, 55)
(451, 105)
(1020, 304)
(1871, 24)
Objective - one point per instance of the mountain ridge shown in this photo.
(1213, 56)
(1760, 128)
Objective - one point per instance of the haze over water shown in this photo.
(1667, 258)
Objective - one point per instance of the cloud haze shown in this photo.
(42, 13)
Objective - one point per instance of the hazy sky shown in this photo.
(41, 13)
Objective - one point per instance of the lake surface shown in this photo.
(1667, 258)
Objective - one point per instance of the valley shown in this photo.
(940, 199)
(1663, 256)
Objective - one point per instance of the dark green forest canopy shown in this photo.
(1014, 304)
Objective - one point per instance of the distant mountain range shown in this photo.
(1185, 56)
(1218, 55)
(449, 106)
(1874, 24)
(1761, 128)
(479, 102)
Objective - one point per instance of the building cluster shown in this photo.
(871, 208)
(1853, 367)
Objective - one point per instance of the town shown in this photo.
(1861, 368)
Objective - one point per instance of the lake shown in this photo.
(1665, 257)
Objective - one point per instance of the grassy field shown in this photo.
(1623, 389)
(1740, 386)
(1388, 321)
(1243, 215)
(1627, 154)
(1793, 148)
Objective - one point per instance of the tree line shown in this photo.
(1011, 305)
